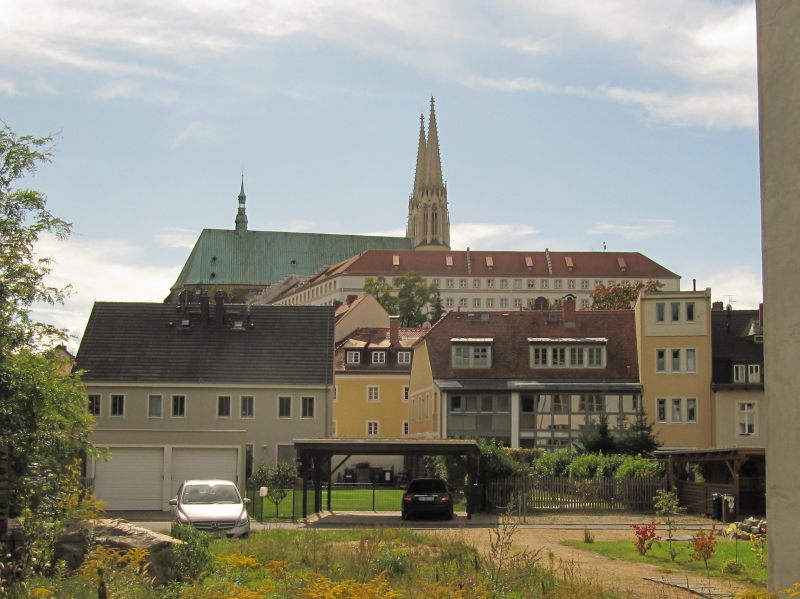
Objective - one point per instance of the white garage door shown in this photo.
(203, 463)
(132, 479)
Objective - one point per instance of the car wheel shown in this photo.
(403, 516)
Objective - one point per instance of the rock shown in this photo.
(73, 542)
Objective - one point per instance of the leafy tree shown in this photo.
(279, 480)
(622, 296)
(411, 298)
(43, 416)
(638, 438)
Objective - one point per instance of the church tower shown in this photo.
(428, 217)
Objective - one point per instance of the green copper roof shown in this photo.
(227, 257)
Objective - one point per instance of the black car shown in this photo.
(427, 497)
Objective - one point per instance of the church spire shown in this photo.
(428, 218)
(241, 215)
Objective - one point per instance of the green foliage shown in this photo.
(598, 438)
(495, 461)
(587, 466)
(622, 296)
(411, 298)
(193, 557)
(732, 566)
(667, 506)
(638, 438)
(554, 463)
(279, 480)
(638, 466)
(525, 456)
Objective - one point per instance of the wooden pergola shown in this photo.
(315, 454)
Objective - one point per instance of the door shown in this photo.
(132, 479)
(203, 463)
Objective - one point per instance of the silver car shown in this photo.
(213, 506)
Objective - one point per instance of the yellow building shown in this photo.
(372, 369)
(673, 339)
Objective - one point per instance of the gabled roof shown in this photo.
(258, 258)
(447, 263)
(510, 333)
(138, 342)
(732, 341)
(377, 339)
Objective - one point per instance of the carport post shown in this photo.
(304, 470)
(330, 481)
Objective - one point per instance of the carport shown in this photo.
(315, 454)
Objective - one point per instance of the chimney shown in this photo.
(718, 306)
(350, 299)
(394, 331)
(219, 313)
(761, 315)
(569, 311)
(204, 302)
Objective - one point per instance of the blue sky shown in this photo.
(563, 124)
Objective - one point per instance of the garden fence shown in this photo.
(525, 495)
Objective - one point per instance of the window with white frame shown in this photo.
(753, 373)
(544, 284)
(462, 302)
(503, 283)
(560, 404)
(584, 283)
(660, 311)
(504, 302)
(476, 283)
(531, 283)
(584, 303)
(539, 356)
(594, 356)
(661, 410)
(661, 360)
(284, 407)
(178, 406)
(490, 302)
(691, 360)
(404, 357)
(463, 283)
(155, 406)
(449, 284)
(379, 357)
(558, 357)
(490, 283)
(576, 356)
(405, 428)
(676, 360)
(94, 404)
(435, 282)
(677, 409)
(598, 283)
(471, 356)
(557, 284)
(117, 405)
(592, 403)
(518, 303)
(449, 302)
(223, 406)
(566, 356)
(247, 406)
(476, 302)
(373, 393)
(517, 284)
(691, 410)
(689, 311)
(307, 407)
(739, 373)
(675, 311)
(372, 428)
(746, 419)
(571, 284)
(354, 357)
(405, 393)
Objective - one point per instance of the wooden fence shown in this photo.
(525, 495)
(696, 497)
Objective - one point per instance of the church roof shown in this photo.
(228, 257)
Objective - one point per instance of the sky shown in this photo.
(572, 125)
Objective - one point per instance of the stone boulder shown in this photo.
(74, 539)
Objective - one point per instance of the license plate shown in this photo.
(426, 498)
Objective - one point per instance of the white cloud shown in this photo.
(194, 131)
(8, 87)
(527, 46)
(484, 236)
(635, 229)
(738, 286)
(175, 237)
(116, 89)
(99, 270)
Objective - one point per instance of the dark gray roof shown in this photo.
(137, 342)
(732, 342)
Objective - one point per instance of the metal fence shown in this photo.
(524, 495)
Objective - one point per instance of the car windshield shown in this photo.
(196, 494)
(427, 485)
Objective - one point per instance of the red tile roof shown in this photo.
(377, 339)
(510, 347)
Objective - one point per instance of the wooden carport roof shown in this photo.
(312, 453)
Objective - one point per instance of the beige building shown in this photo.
(673, 339)
(200, 392)
(779, 129)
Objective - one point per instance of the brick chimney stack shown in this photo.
(717, 306)
(219, 312)
(569, 311)
(394, 331)
(204, 301)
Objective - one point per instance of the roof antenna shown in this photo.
(604, 246)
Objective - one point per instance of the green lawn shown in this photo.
(659, 556)
(342, 500)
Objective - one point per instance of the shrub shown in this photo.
(705, 544)
(645, 535)
(555, 463)
(193, 557)
(587, 466)
(632, 467)
(732, 566)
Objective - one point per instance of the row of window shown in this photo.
(478, 283)
(490, 302)
(676, 360)
(372, 428)
(557, 403)
(377, 357)
(178, 405)
(676, 410)
(746, 373)
(559, 355)
(675, 311)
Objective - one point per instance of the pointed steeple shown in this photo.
(428, 218)
(433, 168)
(241, 215)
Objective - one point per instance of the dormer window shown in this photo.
(395, 262)
(404, 357)
(529, 262)
(448, 260)
(471, 352)
(354, 357)
(567, 352)
(489, 262)
(623, 266)
(379, 357)
(568, 262)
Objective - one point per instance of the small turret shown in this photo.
(241, 215)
